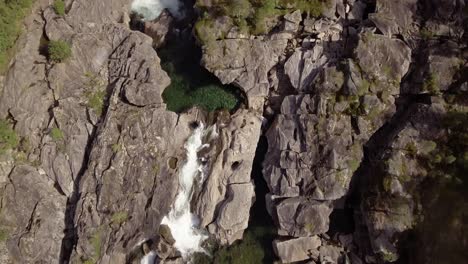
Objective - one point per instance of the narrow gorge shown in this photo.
(234, 131)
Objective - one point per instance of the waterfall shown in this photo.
(151, 9)
(149, 258)
(182, 223)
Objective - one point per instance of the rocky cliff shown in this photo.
(356, 98)
(363, 106)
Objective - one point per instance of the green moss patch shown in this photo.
(59, 7)
(11, 14)
(252, 16)
(191, 85)
(8, 137)
(249, 250)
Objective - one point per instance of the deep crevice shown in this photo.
(70, 238)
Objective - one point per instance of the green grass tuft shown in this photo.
(96, 101)
(3, 235)
(59, 50)
(56, 134)
(11, 14)
(249, 250)
(431, 84)
(96, 241)
(252, 16)
(119, 218)
(8, 137)
(59, 7)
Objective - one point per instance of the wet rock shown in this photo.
(159, 28)
(165, 233)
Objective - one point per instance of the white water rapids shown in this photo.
(181, 221)
(151, 9)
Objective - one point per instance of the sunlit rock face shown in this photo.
(151, 9)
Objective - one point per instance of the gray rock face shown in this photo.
(102, 139)
(395, 209)
(302, 67)
(395, 17)
(97, 166)
(225, 199)
(315, 142)
(296, 249)
(246, 64)
(300, 217)
(33, 216)
(384, 59)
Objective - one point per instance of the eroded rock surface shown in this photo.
(359, 106)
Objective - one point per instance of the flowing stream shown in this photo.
(181, 221)
(150, 9)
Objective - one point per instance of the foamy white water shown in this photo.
(149, 258)
(184, 224)
(151, 9)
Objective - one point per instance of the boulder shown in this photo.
(245, 63)
(297, 249)
(300, 217)
(395, 17)
(224, 202)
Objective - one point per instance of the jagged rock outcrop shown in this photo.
(159, 28)
(360, 116)
(104, 150)
(32, 217)
(246, 63)
(297, 249)
(228, 193)
(395, 17)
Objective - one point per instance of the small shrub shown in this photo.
(11, 13)
(312, 7)
(8, 137)
(180, 96)
(239, 9)
(363, 88)
(214, 98)
(411, 149)
(389, 257)
(59, 50)
(96, 241)
(204, 30)
(426, 34)
(353, 164)
(116, 147)
(59, 7)
(56, 134)
(309, 227)
(96, 101)
(431, 84)
(119, 218)
(3, 235)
